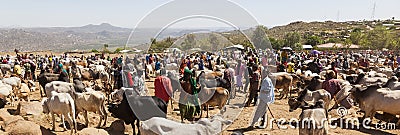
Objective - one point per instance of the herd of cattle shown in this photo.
(374, 88)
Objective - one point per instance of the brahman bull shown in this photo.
(93, 101)
(161, 126)
(62, 104)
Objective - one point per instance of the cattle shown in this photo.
(60, 87)
(46, 78)
(23, 92)
(374, 98)
(363, 79)
(315, 96)
(5, 68)
(216, 96)
(3, 101)
(171, 66)
(117, 95)
(138, 109)
(93, 101)
(6, 91)
(61, 104)
(78, 86)
(15, 84)
(313, 120)
(313, 83)
(392, 84)
(160, 126)
(282, 81)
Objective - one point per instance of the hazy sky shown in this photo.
(127, 13)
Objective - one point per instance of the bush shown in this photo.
(95, 51)
(118, 50)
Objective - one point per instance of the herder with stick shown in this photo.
(266, 97)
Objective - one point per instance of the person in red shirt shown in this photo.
(163, 87)
(330, 84)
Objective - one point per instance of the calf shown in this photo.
(138, 108)
(314, 96)
(161, 126)
(46, 78)
(93, 101)
(283, 81)
(62, 104)
(24, 92)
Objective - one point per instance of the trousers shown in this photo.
(260, 112)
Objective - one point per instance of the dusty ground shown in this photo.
(235, 111)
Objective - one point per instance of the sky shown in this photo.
(128, 13)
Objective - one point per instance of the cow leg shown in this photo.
(138, 125)
(85, 114)
(133, 127)
(207, 107)
(70, 122)
(104, 113)
(63, 122)
(54, 121)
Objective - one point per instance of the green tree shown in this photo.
(105, 50)
(259, 38)
(291, 39)
(276, 43)
(118, 50)
(313, 40)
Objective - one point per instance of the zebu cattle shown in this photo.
(364, 80)
(215, 96)
(283, 81)
(374, 98)
(62, 104)
(160, 126)
(313, 120)
(93, 101)
(15, 83)
(392, 84)
(138, 109)
(5, 68)
(60, 87)
(46, 78)
(314, 96)
(313, 83)
(23, 92)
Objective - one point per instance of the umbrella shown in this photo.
(315, 52)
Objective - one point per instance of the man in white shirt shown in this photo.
(266, 97)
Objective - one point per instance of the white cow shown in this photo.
(91, 102)
(61, 104)
(60, 87)
(161, 126)
(313, 122)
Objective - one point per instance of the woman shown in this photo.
(240, 69)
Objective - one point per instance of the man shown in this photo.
(163, 87)
(75, 72)
(254, 84)
(266, 97)
(17, 69)
(330, 84)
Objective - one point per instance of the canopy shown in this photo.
(338, 45)
(235, 47)
(286, 48)
(307, 47)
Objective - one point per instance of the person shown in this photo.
(240, 69)
(201, 65)
(162, 86)
(228, 74)
(330, 84)
(267, 96)
(188, 100)
(17, 69)
(157, 65)
(63, 74)
(254, 84)
(139, 83)
(290, 67)
(346, 63)
(27, 68)
(75, 72)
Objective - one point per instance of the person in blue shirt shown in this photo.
(157, 65)
(266, 97)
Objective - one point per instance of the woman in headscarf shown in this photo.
(63, 74)
(188, 100)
